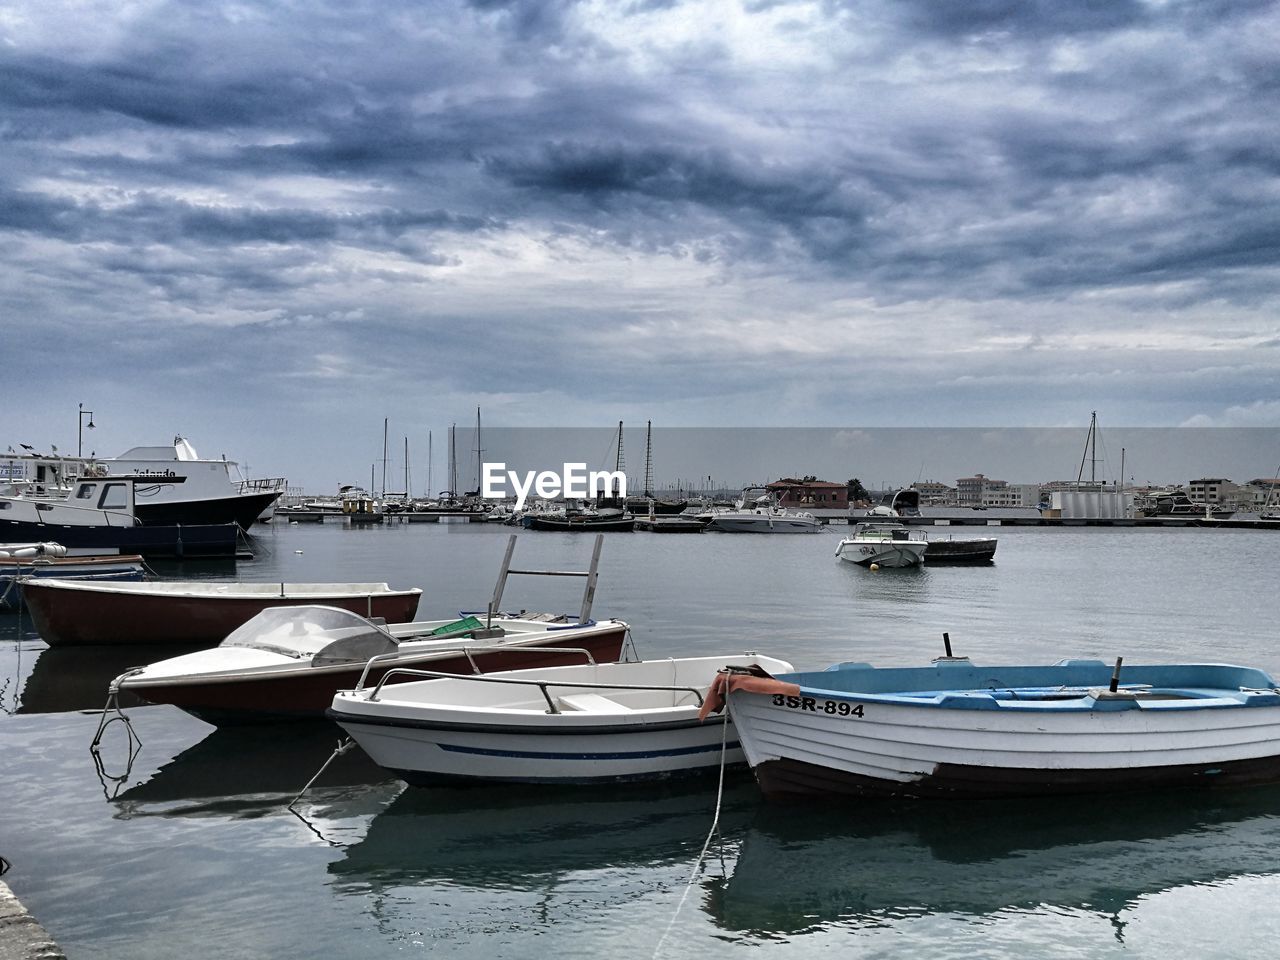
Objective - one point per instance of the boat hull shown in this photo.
(894, 555)
(181, 541)
(241, 509)
(305, 692)
(757, 524)
(65, 616)
(955, 552)
(831, 742)
(608, 525)
(426, 754)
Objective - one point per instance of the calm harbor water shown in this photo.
(191, 851)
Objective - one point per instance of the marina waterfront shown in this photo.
(192, 849)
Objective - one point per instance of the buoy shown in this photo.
(875, 566)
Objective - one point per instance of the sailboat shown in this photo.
(647, 502)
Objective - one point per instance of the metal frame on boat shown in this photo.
(589, 723)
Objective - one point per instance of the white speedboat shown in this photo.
(883, 545)
(760, 513)
(958, 729)
(288, 662)
(592, 723)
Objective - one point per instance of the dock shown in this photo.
(21, 936)
(405, 516)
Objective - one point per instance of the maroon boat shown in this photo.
(288, 662)
(187, 612)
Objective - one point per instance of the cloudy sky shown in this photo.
(270, 225)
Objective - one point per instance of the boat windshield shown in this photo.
(302, 629)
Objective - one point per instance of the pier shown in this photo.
(21, 936)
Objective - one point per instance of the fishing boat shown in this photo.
(756, 512)
(580, 724)
(290, 661)
(582, 522)
(959, 550)
(19, 561)
(881, 545)
(956, 729)
(187, 612)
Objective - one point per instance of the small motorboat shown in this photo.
(883, 545)
(957, 729)
(290, 661)
(187, 612)
(588, 723)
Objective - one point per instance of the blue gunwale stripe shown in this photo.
(617, 755)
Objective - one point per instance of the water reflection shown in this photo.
(76, 678)
(241, 772)
(800, 872)
(525, 839)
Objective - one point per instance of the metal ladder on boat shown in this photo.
(588, 591)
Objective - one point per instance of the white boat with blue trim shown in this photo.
(581, 724)
(877, 545)
(961, 729)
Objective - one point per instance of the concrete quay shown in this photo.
(21, 936)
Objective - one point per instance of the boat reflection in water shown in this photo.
(799, 871)
(76, 678)
(240, 772)
(528, 839)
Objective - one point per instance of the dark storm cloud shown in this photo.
(158, 91)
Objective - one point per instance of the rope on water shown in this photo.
(343, 747)
(715, 829)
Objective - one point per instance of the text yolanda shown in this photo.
(573, 482)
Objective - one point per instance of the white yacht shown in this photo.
(758, 512)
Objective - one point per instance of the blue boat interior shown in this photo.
(1069, 684)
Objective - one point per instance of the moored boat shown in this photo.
(958, 729)
(882, 545)
(100, 513)
(754, 513)
(288, 662)
(21, 561)
(960, 550)
(187, 612)
(584, 724)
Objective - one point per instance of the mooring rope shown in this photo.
(343, 747)
(715, 829)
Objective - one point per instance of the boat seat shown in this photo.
(591, 703)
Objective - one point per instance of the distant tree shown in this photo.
(857, 491)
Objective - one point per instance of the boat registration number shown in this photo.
(835, 708)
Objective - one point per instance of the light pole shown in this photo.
(80, 425)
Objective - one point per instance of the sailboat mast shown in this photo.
(648, 458)
(1090, 444)
(453, 460)
(479, 454)
(384, 456)
(430, 456)
(406, 468)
